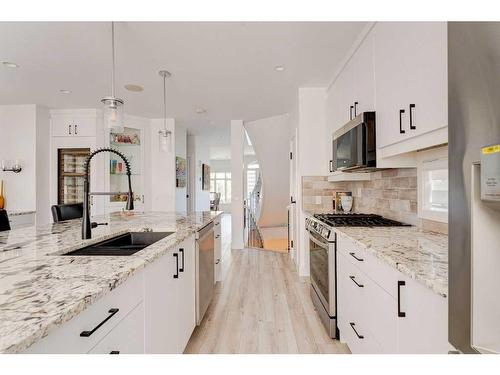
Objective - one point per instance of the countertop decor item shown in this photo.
(346, 202)
(205, 176)
(180, 172)
(11, 166)
(2, 199)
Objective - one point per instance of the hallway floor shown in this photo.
(261, 306)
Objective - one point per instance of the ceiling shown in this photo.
(227, 68)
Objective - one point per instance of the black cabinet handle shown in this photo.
(111, 313)
(181, 269)
(356, 332)
(355, 257)
(114, 352)
(350, 112)
(401, 111)
(355, 109)
(76, 129)
(330, 166)
(355, 282)
(69, 129)
(176, 256)
(217, 236)
(217, 261)
(401, 314)
(412, 127)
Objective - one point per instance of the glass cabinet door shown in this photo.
(71, 174)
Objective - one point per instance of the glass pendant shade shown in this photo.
(165, 140)
(113, 114)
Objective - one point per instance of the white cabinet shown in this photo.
(410, 63)
(364, 77)
(74, 123)
(217, 249)
(85, 331)
(381, 310)
(126, 338)
(170, 300)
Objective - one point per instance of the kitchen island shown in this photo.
(40, 290)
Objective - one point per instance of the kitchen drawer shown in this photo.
(369, 305)
(67, 339)
(356, 335)
(125, 338)
(383, 274)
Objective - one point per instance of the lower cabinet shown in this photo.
(170, 300)
(152, 312)
(381, 310)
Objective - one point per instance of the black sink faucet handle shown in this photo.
(95, 225)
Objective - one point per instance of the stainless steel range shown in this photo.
(323, 259)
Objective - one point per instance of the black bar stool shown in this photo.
(4, 221)
(63, 212)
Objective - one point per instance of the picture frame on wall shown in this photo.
(180, 172)
(205, 176)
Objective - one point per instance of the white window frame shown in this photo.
(224, 200)
(434, 159)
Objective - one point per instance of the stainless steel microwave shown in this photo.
(354, 146)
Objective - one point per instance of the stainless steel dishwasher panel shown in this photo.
(205, 284)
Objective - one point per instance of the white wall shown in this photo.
(270, 141)
(237, 164)
(181, 151)
(311, 156)
(162, 169)
(25, 135)
(198, 151)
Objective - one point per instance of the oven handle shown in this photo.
(314, 238)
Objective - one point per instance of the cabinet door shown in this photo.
(364, 76)
(126, 338)
(186, 311)
(346, 92)
(424, 328)
(84, 126)
(62, 126)
(410, 60)
(161, 305)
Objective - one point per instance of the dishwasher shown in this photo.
(205, 283)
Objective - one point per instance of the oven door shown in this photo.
(322, 263)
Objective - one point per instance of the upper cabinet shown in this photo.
(80, 123)
(410, 60)
(364, 77)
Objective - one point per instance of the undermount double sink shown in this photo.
(122, 245)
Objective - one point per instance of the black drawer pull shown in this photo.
(356, 332)
(181, 269)
(355, 257)
(330, 165)
(114, 352)
(217, 236)
(218, 261)
(412, 127)
(111, 312)
(401, 111)
(401, 314)
(176, 256)
(355, 282)
(355, 109)
(350, 112)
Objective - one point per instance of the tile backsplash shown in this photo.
(391, 193)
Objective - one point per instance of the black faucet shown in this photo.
(86, 224)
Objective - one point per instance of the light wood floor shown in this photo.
(261, 306)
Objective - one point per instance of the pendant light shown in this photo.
(165, 135)
(112, 106)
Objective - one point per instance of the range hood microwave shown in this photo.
(354, 147)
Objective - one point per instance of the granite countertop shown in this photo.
(422, 255)
(40, 290)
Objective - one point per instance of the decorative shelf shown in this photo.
(125, 144)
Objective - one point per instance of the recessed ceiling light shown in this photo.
(134, 88)
(200, 110)
(279, 68)
(9, 64)
(65, 91)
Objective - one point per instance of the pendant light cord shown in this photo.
(165, 102)
(113, 59)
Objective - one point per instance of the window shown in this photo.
(220, 182)
(433, 186)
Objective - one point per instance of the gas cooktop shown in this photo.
(357, 220)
